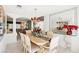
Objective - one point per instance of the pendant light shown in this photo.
(35, 18)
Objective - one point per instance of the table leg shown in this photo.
(41, 50)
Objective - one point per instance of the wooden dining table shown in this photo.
(37, 40)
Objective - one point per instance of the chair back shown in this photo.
(54, 44)
(50, 34)
(22, 37)
(27, 43)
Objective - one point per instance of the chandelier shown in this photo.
(34, 19)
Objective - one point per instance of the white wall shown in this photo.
(75, 41)
(78, 18)
(46, 22)
(66, 15)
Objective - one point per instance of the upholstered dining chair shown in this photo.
(22, 41)
(50, 34)
(54, 44)
(30, 47)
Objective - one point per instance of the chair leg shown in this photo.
(24, 50)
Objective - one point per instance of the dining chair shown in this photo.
(22, 41)
(67, 41)
(50, 34)
(62, 41)
(54, 44)
(30, 47)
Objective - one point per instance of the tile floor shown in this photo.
(17, 48)
(14, 48)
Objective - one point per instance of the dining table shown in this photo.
(37, 40)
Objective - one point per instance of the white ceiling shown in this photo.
(28, 10)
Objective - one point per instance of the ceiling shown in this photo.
(28, 10)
